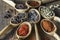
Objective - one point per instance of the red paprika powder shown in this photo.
(23, 30)
(33, 3)
(48, 26)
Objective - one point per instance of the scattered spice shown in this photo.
(33, 3)
(48, 26)
(8, 14)
(23, 30)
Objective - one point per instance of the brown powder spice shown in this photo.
(48, 26)
(33, 3)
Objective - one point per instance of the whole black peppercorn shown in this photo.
(7, 15)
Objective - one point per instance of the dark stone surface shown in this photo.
(3, 21)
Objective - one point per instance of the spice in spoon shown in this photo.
(21, 5)
(23, 30)
(19, 18)
(33, 3)
(33, 16)
(46, 12)
(47, 26)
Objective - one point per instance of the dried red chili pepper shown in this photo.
(23, 30)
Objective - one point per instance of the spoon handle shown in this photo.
(36, 31)
(20, 39)
(56, 36)
(10, 3)
(57, 19)
(6, 30)
(16, 38)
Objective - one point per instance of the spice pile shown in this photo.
(31, 16)
(23, 30)
(46, 12)
(48, 26)
(33, 3)
(20, 6)
(19, 18)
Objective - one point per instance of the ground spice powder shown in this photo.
(33, 3)
(48, 26)
(23, 30)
